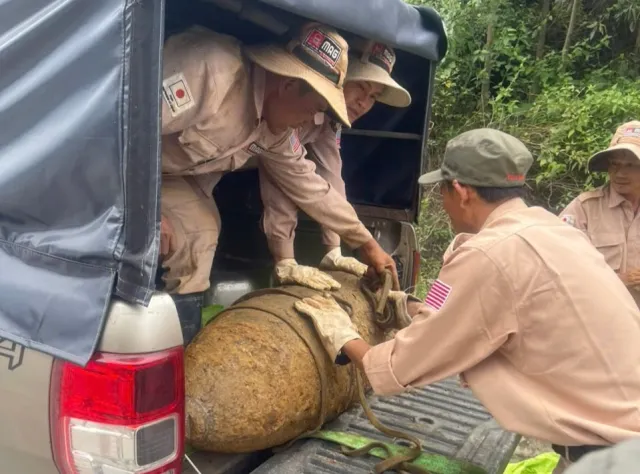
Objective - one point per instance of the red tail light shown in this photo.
(121, 413)
(415, 271)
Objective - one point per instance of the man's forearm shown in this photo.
(356, 351)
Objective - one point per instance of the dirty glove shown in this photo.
(332, 323)
(335, 261)
(397, 302)
(288, 271)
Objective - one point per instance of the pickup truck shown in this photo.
(91, 355)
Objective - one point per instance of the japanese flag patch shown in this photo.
(438, 294)
(569, 219)
(177, 95)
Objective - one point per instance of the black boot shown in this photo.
(190, 313)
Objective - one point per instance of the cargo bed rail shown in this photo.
(447, 419)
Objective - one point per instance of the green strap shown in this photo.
(425, 463)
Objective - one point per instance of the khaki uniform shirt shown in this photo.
(281, 213)
(611, 225)
(212, 123)
(543, 331)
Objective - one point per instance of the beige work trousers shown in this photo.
(188, 205)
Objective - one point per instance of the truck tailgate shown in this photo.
(447, 418)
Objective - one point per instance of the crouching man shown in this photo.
(368, 81)
(224, 103)
(525, 309)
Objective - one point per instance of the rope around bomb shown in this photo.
(399, 462)
(385, 319)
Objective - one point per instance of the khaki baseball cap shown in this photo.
(483, 157)
(318, 55)
(626, 141)
(373, 62)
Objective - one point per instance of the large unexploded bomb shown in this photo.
(258, 376)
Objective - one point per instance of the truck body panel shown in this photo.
(79, 255)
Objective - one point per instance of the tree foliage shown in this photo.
(561, 75)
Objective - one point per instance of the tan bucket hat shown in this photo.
(317, 55)
(373, 62)
(626, 141)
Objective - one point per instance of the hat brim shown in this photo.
(600, 161)
(278, 61)
(431, 178)
(394, 94)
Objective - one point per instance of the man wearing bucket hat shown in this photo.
(223, 104)
(368, 80)
(609, 214)
(516, 283)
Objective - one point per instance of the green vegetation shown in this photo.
(561, 75)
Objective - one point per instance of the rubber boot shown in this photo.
(190, 313)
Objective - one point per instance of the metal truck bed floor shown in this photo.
(445, 417)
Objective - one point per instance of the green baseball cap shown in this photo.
(483, 157)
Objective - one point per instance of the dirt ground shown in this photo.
(529, 448)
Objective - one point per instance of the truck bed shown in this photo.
(447, 418)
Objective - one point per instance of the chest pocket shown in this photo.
(196, 143)
(612, 247)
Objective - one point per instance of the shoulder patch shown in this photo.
(338, 135)
(596, 193)
(294, 141)
(177, 95)
(438, 294)
(569, 219)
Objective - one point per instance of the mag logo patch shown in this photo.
(323, 46)
(384, 56)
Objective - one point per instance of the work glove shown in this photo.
(332, 323)
(335, 261)
(397, 302)
(288, 271)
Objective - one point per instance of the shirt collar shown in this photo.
(615, 199)
(511, 205)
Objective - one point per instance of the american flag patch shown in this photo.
(338, 136)
(438, 294)
(294, 141)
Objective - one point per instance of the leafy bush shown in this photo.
(564, 103)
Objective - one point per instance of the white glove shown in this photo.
(332, 323)
(288, 271)
(398, 301)
(335, 261)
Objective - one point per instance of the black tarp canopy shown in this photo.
(79, 153)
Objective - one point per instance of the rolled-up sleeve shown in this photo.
(279, 218)
(326, 152)
(298, 180)
(470, 314)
